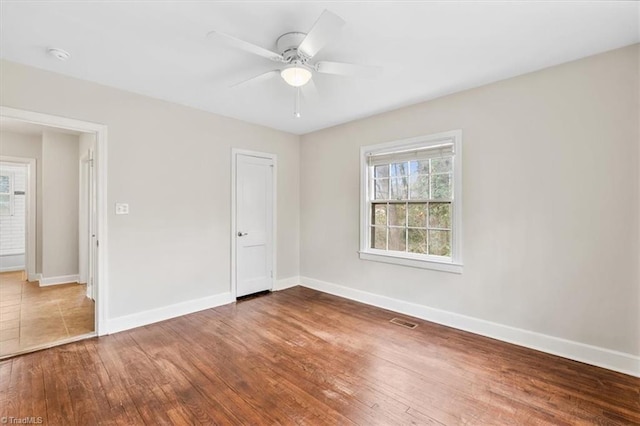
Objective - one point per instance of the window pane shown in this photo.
(410, 196)
(417, 241)
(381, 187)
(418, 215)
(380, 214)
(379, 237)
(440, 215)
(381, 171)
(419, 187)
(440, 243)
(397, 214)
(398, 239)
(5, 204)
(419, 167)
(399, 169)
(398, 188)
(441, 165)
(5, 186)
(441, 186)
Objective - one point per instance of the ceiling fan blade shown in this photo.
(310, 91)
(258, 78)
(326, 28)
(246, 46)
(341, 68)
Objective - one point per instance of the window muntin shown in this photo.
(411, 206)
(411, 202)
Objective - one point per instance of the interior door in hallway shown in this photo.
(254, 224)
(91, 231)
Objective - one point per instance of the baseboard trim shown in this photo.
(62, 279)
(600, 357)
(34, 277)
(286, 283)
(127, 322)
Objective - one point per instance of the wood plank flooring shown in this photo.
(33, 317)
(303, 357)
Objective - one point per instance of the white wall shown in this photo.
(60, 188)
(14, 144)
(550, 199)
(172, 164)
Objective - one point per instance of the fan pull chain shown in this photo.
(296, 104)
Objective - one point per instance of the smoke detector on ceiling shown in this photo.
(60, 54)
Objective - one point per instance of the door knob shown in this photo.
(242, 234)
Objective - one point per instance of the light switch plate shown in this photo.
(122, 208)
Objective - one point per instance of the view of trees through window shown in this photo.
(411, 206)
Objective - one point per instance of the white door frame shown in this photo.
(30, 219)
(101, 277)
(274, 158)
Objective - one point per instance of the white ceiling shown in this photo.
(427, 49)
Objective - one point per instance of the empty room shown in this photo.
(320, 213)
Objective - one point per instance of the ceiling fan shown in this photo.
(296, 51)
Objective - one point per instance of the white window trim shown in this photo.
(409, 259)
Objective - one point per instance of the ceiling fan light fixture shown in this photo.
(296, 75)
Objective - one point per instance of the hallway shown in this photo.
(33, 317)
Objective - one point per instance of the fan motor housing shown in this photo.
(288, 44)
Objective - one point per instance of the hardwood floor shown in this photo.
(34, 317)
(303, 357)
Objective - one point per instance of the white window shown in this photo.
(6, 194)
(411, 202)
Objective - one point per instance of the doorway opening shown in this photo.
(52, 286)
(17, 250)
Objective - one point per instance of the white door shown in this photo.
(254, 224)
(93, 242)
(87, 222)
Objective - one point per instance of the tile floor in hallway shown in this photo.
(32, 317)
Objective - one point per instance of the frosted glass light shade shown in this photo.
(296, 76)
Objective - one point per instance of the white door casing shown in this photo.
(253, 230)
(100, 282)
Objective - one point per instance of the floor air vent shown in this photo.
(403, 323)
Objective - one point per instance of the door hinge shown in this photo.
(97, 243)
(271, 274)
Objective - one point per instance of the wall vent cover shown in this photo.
(403, 323)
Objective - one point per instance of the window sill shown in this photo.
(455, 268)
